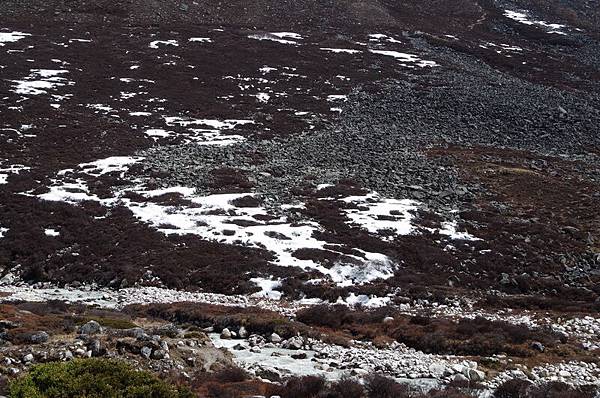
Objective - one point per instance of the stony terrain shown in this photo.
(432, 167)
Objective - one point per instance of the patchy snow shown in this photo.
(341, 50)
(213, 123)
(279, 37)
(525, 19)
(365, 301)
(266, 69)
(405, 57)
(101, 107)
(3, 231)
(268, 288)
(70, 192)
(12, 169)
(381, 37)
(158, 133)
(374, 214)
(109, 165)
(337, 97)
(450, 229)
(287, 35)
(40, 81)
(51, 232)
(200, 40)
(11, 37)
(157, 43)
(263, 97)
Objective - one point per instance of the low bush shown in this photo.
(92, 378)
(378, 386)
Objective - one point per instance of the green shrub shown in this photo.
(92, 378)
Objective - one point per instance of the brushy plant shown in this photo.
(92, 378)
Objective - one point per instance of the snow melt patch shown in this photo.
(51, 232)
(11, 37)
(340, 50)
(12, 169)
(110, 165)
(279, 37)
(375, 214)
(157, 43)
(405, 58)
(268, 288)
(200, 40)
(523, 18)
(40, 81)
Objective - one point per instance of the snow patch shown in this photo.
(405, 58)
(11, 37)
(523, 18)
(40, 81)
(157, 43)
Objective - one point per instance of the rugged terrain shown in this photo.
(411, 187)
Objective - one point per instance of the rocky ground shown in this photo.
(425, 163)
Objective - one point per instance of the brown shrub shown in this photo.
(300, 387)
(515, 388)
(346, 388)
(378, 386)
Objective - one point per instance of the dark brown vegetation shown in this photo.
(476, 336)
(255, 320)
(540, 216)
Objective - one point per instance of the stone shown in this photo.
(388, 319)
(301, 355)
(564, 373)
(92, 327)
(294, 343)
(225, 334)
(39, 337)
(28, 358)
(536, 345)
(146, 352)
(159, 354)
(460, 377)
(476, 375)
(242, 332)
(275, 338)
